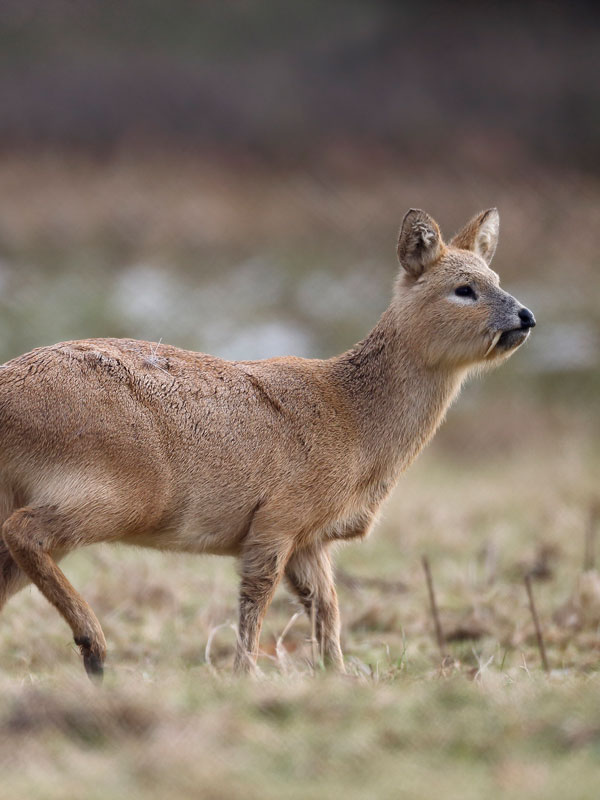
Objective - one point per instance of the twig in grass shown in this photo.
(212, 633)
(481, 665)
(536, 623)
(280, 651)
(439, 634)
(524, 666)
(589, 551)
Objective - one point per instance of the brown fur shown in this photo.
(269, 461)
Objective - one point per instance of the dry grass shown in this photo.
(487, 721)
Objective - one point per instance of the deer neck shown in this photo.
(397, 400)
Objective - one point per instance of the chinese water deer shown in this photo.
(269, 461)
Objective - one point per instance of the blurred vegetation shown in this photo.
(285, 80)
(248, 261)
(230, 176)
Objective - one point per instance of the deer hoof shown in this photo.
(92, 661)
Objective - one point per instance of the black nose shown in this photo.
(526, 318)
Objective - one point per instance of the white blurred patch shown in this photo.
(564, 346)
(265, 340)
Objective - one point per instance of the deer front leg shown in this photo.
(31, 534)
(262, 565)
(310, 577)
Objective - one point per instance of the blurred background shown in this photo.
(230, 177)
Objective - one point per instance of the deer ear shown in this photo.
(419, 243)
(480, 235)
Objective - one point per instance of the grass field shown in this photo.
(170, 720)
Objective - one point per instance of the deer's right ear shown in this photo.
(419, 243)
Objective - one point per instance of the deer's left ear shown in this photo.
(480, 235)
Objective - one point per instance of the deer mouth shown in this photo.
(505, 341)
(508, 340)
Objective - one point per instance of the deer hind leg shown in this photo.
(12, 577)
(262, 564)
(31, 534)
(309, 575)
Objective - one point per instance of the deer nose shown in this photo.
(527, 318)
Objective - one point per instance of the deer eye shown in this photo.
(465, 291)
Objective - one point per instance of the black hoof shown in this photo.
(93, 666)
(91, 661)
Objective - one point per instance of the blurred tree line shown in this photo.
(283, 79)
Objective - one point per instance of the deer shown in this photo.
(270, 461)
